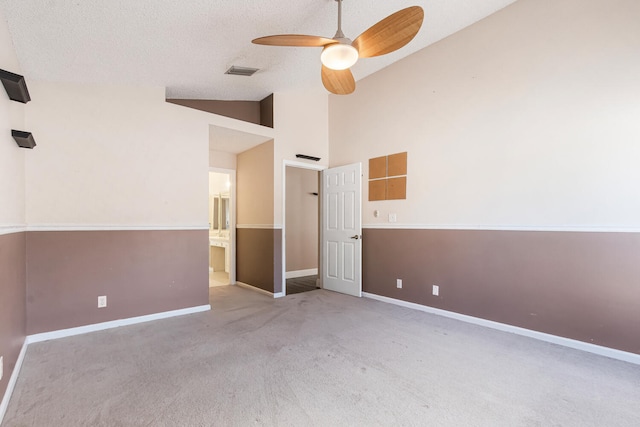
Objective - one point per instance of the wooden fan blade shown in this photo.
(298, 40)
(391, 33)
(340, 82)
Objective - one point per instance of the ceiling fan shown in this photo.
(340, 53)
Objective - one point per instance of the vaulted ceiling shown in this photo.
(187, 45)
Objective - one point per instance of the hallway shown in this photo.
(301, 284)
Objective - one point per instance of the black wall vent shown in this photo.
(15, 86)
(304, 156)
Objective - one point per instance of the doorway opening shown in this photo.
(301, 227)
(221, 227)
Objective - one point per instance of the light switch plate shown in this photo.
(102, 301)
(436, 290)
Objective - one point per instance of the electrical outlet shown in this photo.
(436, 290)
(1, 366)
(393, 217)
(102, 301)
(399, 283)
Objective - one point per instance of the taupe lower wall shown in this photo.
(579, 285)
(259, 258)
(12, 302)
(140, 272)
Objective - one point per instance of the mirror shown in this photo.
(219, 209)
(213, 212)
(224, 212)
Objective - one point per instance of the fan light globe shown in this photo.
(339, 56)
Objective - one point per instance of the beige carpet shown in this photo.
(317, 358)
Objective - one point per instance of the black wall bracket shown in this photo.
(15, 86)
(23, 139)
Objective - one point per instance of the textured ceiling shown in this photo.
(187, 45)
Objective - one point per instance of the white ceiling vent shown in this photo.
(241, 71)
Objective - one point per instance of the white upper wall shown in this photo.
(117, 156)
(12, 210)
(121, 156)
(301, 127)
(529, 118)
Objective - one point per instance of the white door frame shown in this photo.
(294, 164)
(232, 222)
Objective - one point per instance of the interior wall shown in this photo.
(576, 285)
(525, 121)
(255, 186)
(223, 160)
(12, 220)
(301, 218)
(258, 241)
(11, 157)
(301, 127)
(256, 253)
(141, 272)
(13, 328)
(115, 155)
(116, 194)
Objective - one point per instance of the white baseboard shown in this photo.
(12, 381)
(301, 273)
(278, 295)
(262, 291)
(46, 336)
(554, 339)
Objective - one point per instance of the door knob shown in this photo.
(356, 237)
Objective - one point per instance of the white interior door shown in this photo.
(341, 260)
